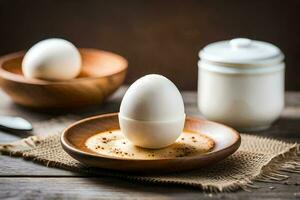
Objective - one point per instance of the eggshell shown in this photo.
(152, 112)
(152, 98)
(52, 59)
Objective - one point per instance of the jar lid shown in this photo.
(243, 52)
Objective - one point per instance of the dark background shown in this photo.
(155, 36)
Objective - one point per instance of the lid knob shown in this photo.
(240, 42)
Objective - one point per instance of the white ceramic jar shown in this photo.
(241, 83)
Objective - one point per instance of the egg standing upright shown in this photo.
(152, 112)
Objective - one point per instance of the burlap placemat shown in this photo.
(258, 159)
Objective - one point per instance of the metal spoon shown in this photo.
(15, 124)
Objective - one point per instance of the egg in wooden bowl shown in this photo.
(101, 74)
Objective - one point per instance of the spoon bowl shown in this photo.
(15, 124)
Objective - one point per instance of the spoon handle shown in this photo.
(15, 123)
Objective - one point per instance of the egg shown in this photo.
(52, 59)
(152, 112)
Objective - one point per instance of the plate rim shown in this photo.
(68, 146)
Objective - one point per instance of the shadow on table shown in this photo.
(284, 128)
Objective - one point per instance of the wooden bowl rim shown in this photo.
(67, 145)
(19, 78)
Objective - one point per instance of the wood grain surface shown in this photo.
(21, 179)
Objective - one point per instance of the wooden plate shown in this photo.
(73, 140)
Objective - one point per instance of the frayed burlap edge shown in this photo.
(275, 171)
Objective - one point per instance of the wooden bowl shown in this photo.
(74, 137)
(102, 73)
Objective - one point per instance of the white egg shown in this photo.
(152, 112)
(52, 59)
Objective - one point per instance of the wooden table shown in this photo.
(20, 179)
